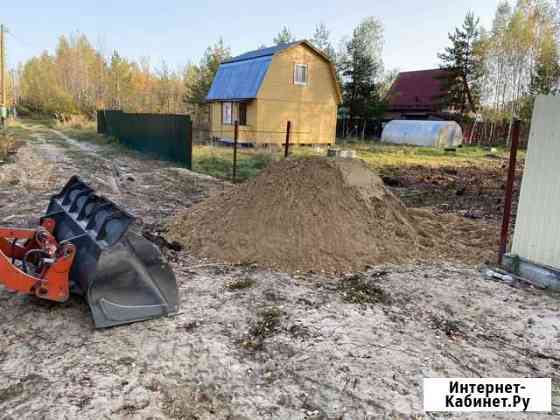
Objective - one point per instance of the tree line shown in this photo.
(494, 74)
(78, 78)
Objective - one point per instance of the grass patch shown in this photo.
(89, 135)
(6, 144)
(450, 327)
(217, 161)
(77, 122)
(386, 159)
(359, 289)
(241, 284)
(11, 391)
(78, 128)
(266, 325)
(12, 138)
(16, 130)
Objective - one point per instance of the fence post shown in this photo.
(189, 143)
(235, 135)
(287, 145)
(509, 189)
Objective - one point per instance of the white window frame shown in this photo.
(226, 105)
(296, 82)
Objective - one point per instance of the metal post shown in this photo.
(189, 142)
(287, 145)
(235, 136)
(509, 189)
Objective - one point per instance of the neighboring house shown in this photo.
(264, 89)
(417, 95)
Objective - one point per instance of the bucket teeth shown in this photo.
(122, 275)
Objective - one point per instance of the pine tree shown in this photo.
(120, 76)
(199, 78)
(284, 37)
(360, 66)
(321, 40)
(464, 66)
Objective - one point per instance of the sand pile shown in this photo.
(319, 214)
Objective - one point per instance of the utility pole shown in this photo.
(3, 98)
(14, 89)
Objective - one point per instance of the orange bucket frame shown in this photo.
(51, 280)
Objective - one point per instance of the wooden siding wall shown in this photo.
(225, 131)
(537, 227)
(311, 109)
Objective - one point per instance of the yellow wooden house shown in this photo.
(266, 88)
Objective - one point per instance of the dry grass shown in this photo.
(7, 143)
(362, 290)
(266, 325)
(240, 284)
(78, 122)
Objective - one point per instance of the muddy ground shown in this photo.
(250, 343)
(474, 191)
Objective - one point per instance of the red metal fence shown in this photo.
(494, 134)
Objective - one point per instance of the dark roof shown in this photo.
(263, 52)
(420, 90)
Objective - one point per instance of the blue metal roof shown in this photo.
(263, 52)
(239, 80)
(241, 77)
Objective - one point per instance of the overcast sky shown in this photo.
(179, 31)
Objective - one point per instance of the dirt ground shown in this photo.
(250, 343)
(474, 191)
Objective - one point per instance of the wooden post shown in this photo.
(471, 134)
(3, 97)
(287, 145)
(509, 189)
(235, 136)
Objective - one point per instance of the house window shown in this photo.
(227, 114)
(242, 113)
(300, 74)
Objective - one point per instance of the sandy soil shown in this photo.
(250, 343)
(323, 215)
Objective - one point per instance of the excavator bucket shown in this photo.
(121, 274)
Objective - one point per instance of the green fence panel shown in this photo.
(101, 123)
(167, 136)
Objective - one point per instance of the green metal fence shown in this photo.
(167, 136)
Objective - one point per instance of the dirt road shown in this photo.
(250, 343)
